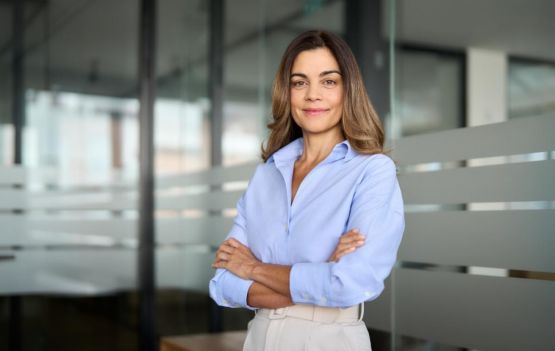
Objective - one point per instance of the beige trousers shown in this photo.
(308, 328)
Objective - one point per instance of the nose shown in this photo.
(312, 93)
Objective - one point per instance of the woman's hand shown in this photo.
(348, 243)
(236, 258)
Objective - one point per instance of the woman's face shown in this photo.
(316, 90)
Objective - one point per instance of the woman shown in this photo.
(324, 174)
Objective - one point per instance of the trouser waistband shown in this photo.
(316, 313)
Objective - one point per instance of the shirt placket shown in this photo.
(286, 172)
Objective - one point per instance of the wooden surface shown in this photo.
(229, 341)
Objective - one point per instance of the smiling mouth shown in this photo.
(315, 111)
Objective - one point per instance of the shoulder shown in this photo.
(261, 172)
(377, 166)
(265, 167)
(377, 162)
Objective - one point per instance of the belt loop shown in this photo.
(278, 313)
(361, 310)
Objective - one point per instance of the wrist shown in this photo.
(256, 270)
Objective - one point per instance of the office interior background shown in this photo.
(466, 91)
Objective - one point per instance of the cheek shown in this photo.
(334, 97)
(296, 100)
(336, 102)
(338, 99)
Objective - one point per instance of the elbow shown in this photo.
(353, 290)
(350, 296)
(228, 290)
(215, 292)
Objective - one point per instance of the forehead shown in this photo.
(314, 61)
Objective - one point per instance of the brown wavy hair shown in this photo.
(360, 123)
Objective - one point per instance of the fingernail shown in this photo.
(355, 230)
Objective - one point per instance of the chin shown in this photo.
(312, 129)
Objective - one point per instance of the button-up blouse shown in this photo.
(347, 190)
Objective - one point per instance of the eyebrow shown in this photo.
(324, 73)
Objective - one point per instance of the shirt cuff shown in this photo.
(237, 290)
(309, 282)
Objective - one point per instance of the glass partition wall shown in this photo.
(6, 86)
(471, 269)
(68, 253)
(69, 280)
(195, 213)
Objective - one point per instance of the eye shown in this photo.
(329, 82)
(298, 84)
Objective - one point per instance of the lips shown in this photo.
(314, 111)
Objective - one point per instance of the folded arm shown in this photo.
(271, 287)
(230, 287)
(377, 210)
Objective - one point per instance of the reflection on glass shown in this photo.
(531, 88)
(181, 135)
(450, 72)
(429, 96)
(6, 85)
(182, 141)
(79, 78)
(83, 138)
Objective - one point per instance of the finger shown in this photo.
(351, 239)
(353, 242)
(353, 232)
(346, 238)
(219, 264)
(345, 252)
(234, 242)
(350, 233)
(346, 245)
(222, 256)
(227, 249)
(342, 246)
(350, 242)
(238, 247)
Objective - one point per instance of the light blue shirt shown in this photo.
(347, 190)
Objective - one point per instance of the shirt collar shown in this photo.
(294, 149)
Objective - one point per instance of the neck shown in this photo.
(318, 146)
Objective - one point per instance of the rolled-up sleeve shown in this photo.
(377, 211)
(227, 289)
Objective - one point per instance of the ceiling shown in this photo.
(91, 45)
(521, 28)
